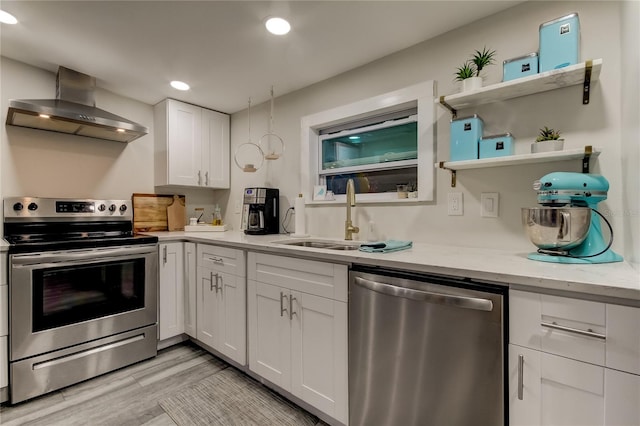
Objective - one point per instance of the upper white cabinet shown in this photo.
(191, 146)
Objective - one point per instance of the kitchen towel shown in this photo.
(385, 246)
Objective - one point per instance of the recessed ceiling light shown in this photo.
(180, 85)
(7, 18)
(278, 26)
(120, 130)
(43, 116)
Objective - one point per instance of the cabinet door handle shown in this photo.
(211, 281)
(520, 377)
(282, 308)
(219, 287)
(199, 177)
(164, 255)
(589, 332)
(206, 178)
(291, 313)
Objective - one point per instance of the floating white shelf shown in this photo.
(584, 73)
(512, 160)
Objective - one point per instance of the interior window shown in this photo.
(377, 156)
(380, 142)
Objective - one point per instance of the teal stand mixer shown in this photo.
(567, 226)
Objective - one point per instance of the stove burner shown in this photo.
(54, 224)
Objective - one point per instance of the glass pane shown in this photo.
(374, 182)
(375, 146)
(68, 295)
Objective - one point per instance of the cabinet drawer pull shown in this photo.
(282, 308)
(589, 332)
(217, 260)
(520, 377)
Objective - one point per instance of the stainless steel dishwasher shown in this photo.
(425, 350)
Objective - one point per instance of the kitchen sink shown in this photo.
(323, 244)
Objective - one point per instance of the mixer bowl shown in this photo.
(556, 227)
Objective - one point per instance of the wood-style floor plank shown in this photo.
(128, 396)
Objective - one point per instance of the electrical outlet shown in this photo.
(455, 205)
(489, 204)
(237, 207)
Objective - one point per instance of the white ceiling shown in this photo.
(134, 48)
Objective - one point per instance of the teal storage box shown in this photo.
(465, 136)
(521, 66)
(496, 146)
(559, 43)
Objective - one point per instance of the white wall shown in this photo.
(630, 213)
(511, 33)
(47, 164)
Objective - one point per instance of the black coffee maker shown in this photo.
(260, 211)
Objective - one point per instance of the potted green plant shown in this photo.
(547, 140)
(469, 72)
(482, 59)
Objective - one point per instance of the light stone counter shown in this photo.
(615, 282)
(4, 245)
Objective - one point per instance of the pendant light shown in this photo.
(249, 157)
(272, 144)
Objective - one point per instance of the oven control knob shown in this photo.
(112, 208)
(32, 206)
(102, 207)
(123, 208)
(18, 206)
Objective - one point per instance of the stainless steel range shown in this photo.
(82, 292)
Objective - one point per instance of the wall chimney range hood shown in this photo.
(73, 111)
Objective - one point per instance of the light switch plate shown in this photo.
(455, 204)
(489, 203)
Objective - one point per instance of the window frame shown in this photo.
(419, 96)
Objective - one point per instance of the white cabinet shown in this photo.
(171, 290)
(572, 362)
(221, 300)
(190, 284)
(4, 322)
(298, 328)
(191, 146)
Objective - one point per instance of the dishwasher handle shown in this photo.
(425, 296)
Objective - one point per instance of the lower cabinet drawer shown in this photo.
(319, 278)
(222, 259)
(568, 327)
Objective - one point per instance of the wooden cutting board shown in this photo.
(176, 215)
(150, 212)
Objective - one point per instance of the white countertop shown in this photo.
(611, 280)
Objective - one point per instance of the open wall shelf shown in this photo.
(513, 160)
(584, 73)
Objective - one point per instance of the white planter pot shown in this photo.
(471, 83)
(547, 146)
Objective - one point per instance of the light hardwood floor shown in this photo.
(125, 397)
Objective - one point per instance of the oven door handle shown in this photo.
(74, 257)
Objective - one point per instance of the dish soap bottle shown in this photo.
(217, 216)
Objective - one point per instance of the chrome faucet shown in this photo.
(349, 229)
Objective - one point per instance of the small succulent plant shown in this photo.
(548, 134)
(482, 59)
(465, 71)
